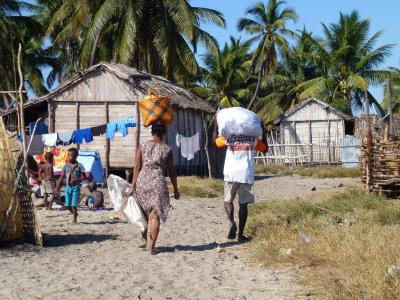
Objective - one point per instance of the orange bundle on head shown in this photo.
(155, 109)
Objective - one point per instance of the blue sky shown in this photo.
(383, 15)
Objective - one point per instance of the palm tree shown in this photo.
(392, 94)
(223, 81)
(18, 29)
(160, 37)
(349, 61)
(278, 91)
(268, 28)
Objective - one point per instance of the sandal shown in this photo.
(232, 232)
(244, 239)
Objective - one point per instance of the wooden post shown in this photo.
(21, 101)
(205, 127)
(369, 144)
(390, 109)
(52, 121)
(107, 156)
(310, 142)
(138, 125)
(77, 123)
(329, 141)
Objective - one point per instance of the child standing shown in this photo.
(47, 176)
(73, 172)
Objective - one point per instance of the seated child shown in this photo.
(95, 199)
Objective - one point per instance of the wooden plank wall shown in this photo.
(187, 123)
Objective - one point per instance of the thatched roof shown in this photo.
(299, 106)
(139, 82)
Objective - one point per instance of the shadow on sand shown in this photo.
(196, 248)
(104, 222)
(59, 240)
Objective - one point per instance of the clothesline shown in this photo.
(79, 136)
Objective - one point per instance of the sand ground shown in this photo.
(99, 258)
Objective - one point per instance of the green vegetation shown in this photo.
(317, 172)
(200, 187)
(342, 247)
(162, 38)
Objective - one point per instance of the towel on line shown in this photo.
(65, 138)
(189, 145)
(50, 139)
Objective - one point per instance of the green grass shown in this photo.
(200, 187)
(316, 172)
(354, 238)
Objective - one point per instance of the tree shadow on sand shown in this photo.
(60, 240)
(196, 248)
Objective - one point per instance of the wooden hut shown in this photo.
(313, 126)
(109, 92)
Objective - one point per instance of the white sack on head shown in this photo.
(238, 121)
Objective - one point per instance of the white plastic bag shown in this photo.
(134, 214)
(117, 188)
(127, 207)
(238, 121)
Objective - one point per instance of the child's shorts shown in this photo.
(72, 196)
(48, 187)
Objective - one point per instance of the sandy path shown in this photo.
(99, 258)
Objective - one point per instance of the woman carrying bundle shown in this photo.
(149, 184)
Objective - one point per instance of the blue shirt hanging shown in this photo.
(120, 126)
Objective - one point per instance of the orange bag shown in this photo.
(220, 142)
(155, 109)
(261, 147)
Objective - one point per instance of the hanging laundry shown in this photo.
(36, 145)
(41, 128)
(50, 139)
(99, 130)
(65, 138)
(82, 134)
(130, 122)
(189, 145)
(117, 126)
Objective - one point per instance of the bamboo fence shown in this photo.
(384, 176)
(17, 213)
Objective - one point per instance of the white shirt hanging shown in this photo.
(189, 145)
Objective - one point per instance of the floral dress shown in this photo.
(151, 187)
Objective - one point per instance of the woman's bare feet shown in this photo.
(143, 243)
(154, 251)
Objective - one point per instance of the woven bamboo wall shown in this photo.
(22, 223)
(9, 150)
(385, 169)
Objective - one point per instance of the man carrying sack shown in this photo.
(239, 164)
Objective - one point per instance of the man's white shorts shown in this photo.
(244, 190)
